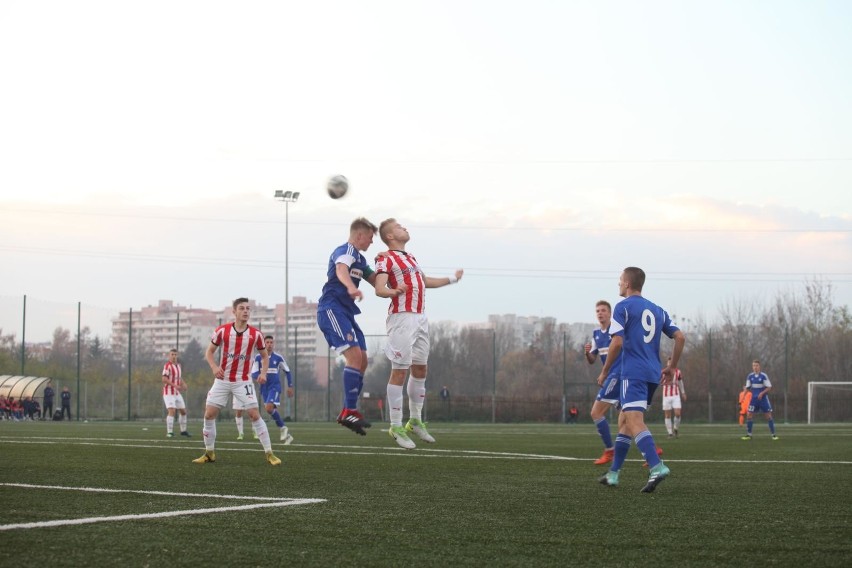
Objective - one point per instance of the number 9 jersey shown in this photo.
(640, 323)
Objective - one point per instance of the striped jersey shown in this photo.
(277, 367)
(673, 388)
(600, 346)
(171, 371)
(757, 383)
(402, 267)
(236, 347)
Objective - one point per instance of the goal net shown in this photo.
(829, 401)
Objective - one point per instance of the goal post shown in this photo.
(839, 391)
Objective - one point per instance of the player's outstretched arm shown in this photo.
(444, 281)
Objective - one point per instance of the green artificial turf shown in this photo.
(498, 495)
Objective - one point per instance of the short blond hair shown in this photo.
(382, 226)
(362, 224)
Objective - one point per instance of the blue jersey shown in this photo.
(277, 366)
(641, 324)
(757, 382)
(334, 292)
(600, 346)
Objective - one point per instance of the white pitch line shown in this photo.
(144, 492)
(273, 502)
(418, 453)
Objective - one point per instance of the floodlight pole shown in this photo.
(287, 197)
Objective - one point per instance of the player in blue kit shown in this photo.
(270, 390)
(758, 383)
(336, 313)
(609, 392)
(636, 329)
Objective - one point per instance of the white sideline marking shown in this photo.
(420, 452)
(270, 502)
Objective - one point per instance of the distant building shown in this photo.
(157, 329)
(522, 329)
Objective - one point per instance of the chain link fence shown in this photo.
(488, 378)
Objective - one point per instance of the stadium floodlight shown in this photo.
(287, 197)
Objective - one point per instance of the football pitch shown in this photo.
(118, 493)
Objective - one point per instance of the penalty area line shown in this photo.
(273, 502)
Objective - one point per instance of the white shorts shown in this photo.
(243, 392)
(408, 340)
(670, 402)
(174, 401)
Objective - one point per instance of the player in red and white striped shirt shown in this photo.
(673, 392)
(399, 277)
(173, 386)
(236, 340)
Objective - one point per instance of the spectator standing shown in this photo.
(49, 393)
(65, 400)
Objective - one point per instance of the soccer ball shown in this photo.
(337, 186)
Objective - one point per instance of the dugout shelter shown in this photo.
(20, 386)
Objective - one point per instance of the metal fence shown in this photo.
(489, 381)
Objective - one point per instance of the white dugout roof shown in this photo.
(20, 386)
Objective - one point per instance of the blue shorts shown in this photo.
(271, 393)
(609, 390)
(761, 405)
(637, 394)
(340, 330)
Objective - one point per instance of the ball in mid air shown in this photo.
(337, 186)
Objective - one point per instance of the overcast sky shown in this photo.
(542, 146)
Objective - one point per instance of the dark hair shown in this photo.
(173, 350)
(604, 303)
(239, 301)
(635, 277)
(268, 337)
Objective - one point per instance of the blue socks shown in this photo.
(622, 446)
(772, 427)
(749, 424)
(645, 443)
(603, 429)
(277, 417)
(353, 382)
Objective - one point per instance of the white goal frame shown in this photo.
(812, 384)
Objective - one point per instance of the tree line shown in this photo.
(799, 336)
